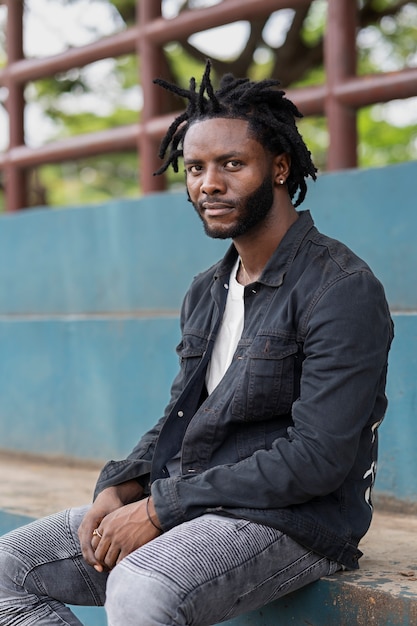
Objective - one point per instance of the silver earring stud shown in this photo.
(282, 181)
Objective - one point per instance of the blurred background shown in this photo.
(63, 86)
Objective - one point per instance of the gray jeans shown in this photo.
(199, 573)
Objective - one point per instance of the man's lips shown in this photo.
(216, 209)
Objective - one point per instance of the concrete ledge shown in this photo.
(332, 602)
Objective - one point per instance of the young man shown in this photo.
(257, 480)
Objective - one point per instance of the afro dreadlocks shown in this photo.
(271, 119)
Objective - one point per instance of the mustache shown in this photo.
(215, 200)
(210, 199)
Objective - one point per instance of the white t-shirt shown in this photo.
(224, 347)
(229, 334)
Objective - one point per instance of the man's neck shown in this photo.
(256, 247)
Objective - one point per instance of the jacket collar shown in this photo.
(277, 266)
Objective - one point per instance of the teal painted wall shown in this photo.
(89, 301)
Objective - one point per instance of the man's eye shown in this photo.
(194, 169)
(233, 164)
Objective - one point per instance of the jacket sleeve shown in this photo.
(347, 337)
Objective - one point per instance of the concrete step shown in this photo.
(383, 592)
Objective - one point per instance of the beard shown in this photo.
(252, 211)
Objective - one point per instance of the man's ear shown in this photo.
(282, 168)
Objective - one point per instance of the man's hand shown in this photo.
(107, 501)
(123, 531)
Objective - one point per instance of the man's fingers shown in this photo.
(89, 541)
(88, 553)
(112, 557)
(106, 553)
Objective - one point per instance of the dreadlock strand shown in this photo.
(170, 134)
(203, 86)
(192, 98)
(178, 91)
(171, 161)
(212, 97)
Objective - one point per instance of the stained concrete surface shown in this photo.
(36, 487)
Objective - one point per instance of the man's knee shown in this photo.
(9, 569)
(134, 596)
(3, 567)
(8, 549)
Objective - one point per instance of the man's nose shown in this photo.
(213, 182)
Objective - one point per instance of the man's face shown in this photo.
(229, 177)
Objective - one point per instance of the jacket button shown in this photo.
(180, 413)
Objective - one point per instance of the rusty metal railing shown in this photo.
(338, 99)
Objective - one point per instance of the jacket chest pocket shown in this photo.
(190, 351)
(266, 386)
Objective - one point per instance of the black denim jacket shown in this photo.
(289, 436)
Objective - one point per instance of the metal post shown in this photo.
(340, 63)
(150, 58)
(15, 177)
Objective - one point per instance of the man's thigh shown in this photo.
(208, 570)
(44, 558)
